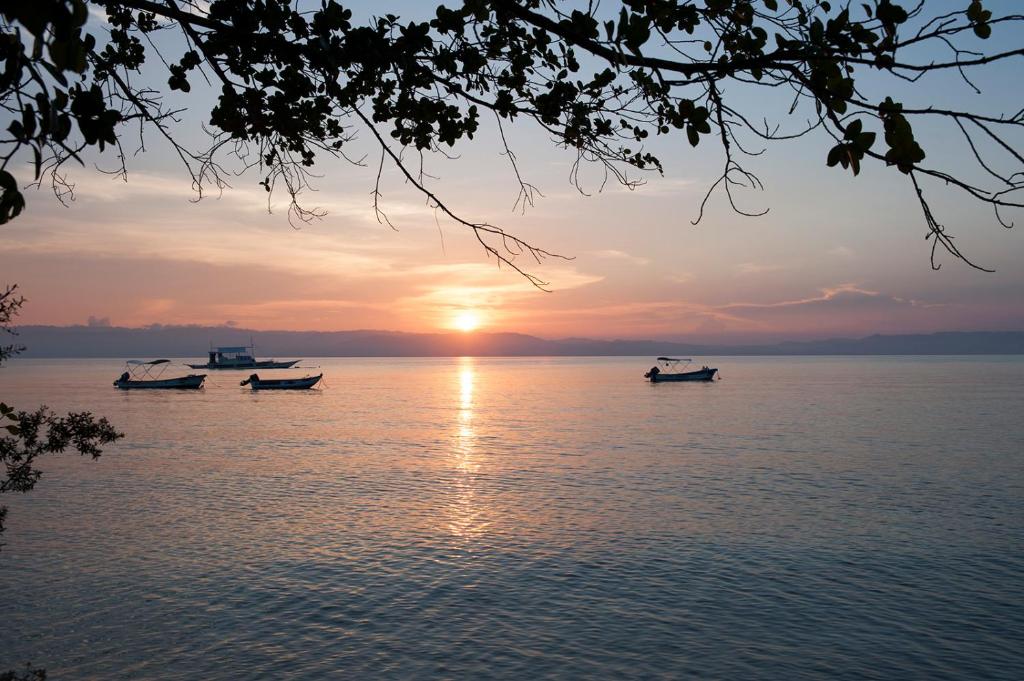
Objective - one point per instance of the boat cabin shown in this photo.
(232, 355)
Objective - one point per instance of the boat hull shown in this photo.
(686, 376)
(190, 382)
(282, 383)
(247, 365)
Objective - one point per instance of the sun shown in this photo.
(466, 321)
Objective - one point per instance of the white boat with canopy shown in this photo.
(148, 374)
(672, 369)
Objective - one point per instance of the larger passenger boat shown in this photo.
(241, 357)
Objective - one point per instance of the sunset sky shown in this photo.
(834, 256)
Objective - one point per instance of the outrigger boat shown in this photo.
(304, 383)
(147, 375)
(670, 371)
(240, 357)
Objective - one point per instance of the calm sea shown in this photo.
(848, 518)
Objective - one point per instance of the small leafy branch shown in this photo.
(25, 436)
(30, 435)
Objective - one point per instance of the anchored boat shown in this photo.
(304, 383)
(147, 375)
(668, 369)
(241, 357)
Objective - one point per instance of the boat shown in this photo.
(240, 357)
(670, 371)
(142, 374)
(304, 383)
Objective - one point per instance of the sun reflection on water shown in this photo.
(465, 442)
(467, 515)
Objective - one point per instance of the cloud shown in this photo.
(656, 186)
(680, 277)
(757, 268)
(842, 295)
(444, 288)
(98, 14)
(845, 308)
(196, 7)
(842, 252)
(612, 254)
(156, 307)
(157, 218)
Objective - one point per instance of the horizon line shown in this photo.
(483, 332)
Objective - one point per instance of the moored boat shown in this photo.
(670, 371)
(147, 375)
(241, 357)
(304, 383)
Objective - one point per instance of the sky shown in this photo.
(834, 256)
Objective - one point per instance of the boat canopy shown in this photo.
(673, 359)
(233, 349)
(145, 369)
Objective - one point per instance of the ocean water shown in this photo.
(844, 518)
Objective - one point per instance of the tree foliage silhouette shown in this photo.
(297, 81)
(27, 435)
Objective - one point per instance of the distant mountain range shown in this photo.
(192, 341)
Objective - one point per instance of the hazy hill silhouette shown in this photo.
(193, 341)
